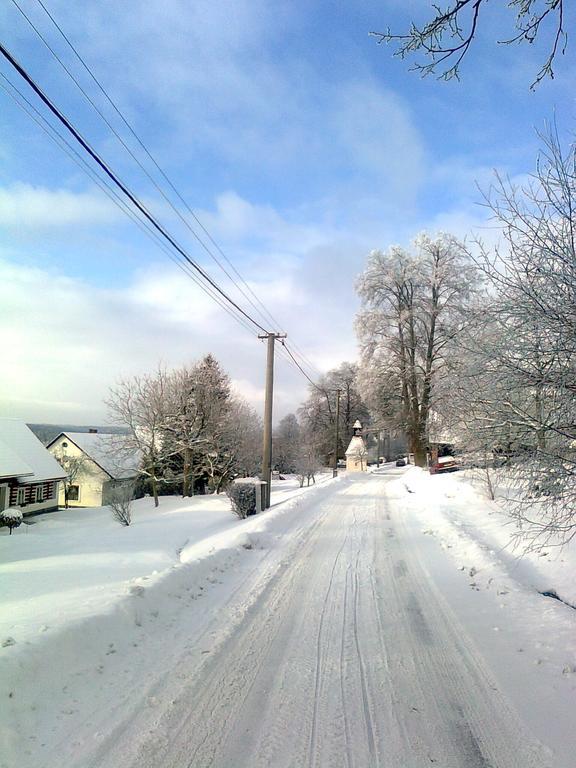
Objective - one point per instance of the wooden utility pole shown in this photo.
(336, 439)
(267, 442)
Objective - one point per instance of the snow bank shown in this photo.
(475, 527)
(529, 639)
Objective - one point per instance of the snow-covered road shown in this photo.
(349, 657)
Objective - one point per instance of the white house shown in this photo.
(29, 476)
(96, 464)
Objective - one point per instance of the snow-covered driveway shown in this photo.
(350, 657)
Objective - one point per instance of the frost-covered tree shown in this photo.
(286, 442)
(415, 304)
(522, 376)
(445, 38)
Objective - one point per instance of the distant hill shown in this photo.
(47, 432)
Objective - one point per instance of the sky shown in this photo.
(300, 144)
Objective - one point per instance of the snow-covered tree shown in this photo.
(415, 303)
(11, 517)
(199, 404)
(236, 448)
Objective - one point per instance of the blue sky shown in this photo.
(300, 143)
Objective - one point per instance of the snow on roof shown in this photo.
(357, 447)
(106, 450)
(11, 465)
(23, 456)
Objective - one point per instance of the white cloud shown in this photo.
(27, 207)
(68, 340)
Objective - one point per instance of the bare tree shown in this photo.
(120, 502)
(445, 39)
(140, 405)
(74, 467)
(308, 463)
(318, 413)
(286, 444)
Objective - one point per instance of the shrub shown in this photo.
(11, 517)
(243, 499)
(120, 503)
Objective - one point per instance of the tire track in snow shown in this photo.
(361, 666)
(318, 675)
(345, 717)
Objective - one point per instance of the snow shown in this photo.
(529, 639)
(88, 604)
(381, 613)
(68, 565)
(26, 454)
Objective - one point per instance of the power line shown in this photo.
(243, 292)
(105, 186)
(96, 157)
(135, 201)
(302, 371)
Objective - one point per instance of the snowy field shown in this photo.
(373, 620)
(68, 565)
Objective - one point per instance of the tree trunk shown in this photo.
(420, 454)
(154, 484)
(186, 473)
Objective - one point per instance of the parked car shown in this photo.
(400, 462)
(444, 464)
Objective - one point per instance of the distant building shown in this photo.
(356, 453)
(29, 476)
(96, 465)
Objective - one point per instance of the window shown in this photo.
(21, 497)
(74, 493)
(64, 445)
(38, 493)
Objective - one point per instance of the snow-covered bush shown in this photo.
(120, 502)
(243, 499)
(11, 517)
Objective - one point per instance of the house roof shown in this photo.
(357, 447)
(106, 450)
(23, 456)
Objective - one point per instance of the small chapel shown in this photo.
(356, 453)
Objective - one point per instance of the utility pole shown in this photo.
(335, 468)
(267, 443)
